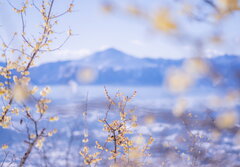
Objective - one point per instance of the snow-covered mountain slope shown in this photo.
(112, 66)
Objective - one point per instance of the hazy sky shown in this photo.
(97, 30)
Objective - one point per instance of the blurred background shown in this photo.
(181, 56)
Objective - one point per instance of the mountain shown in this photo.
(112, 66)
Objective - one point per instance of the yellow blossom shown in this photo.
(4, 146)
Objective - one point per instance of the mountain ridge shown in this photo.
(113, 66)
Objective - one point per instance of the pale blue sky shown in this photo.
(97, 30)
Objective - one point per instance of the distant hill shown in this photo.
(112, 66)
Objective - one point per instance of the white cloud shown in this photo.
(213, 52)
(74, 53)
(137, 42)
(104, 47)
(65, 54)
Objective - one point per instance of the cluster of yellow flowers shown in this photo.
(89, 158)
(123, 151)
(16, 90)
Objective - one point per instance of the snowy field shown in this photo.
(191, 139)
